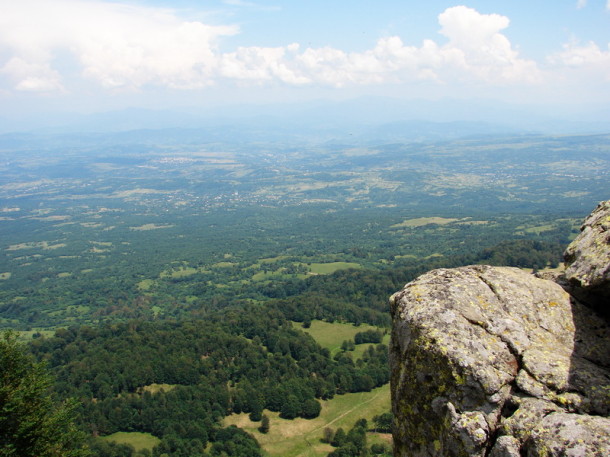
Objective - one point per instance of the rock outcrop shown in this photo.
(494, 361)
(588, 260)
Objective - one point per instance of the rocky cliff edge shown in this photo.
(494, 361)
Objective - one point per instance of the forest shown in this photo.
(169, 286)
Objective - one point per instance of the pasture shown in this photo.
(301, 437)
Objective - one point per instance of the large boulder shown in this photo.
(588, 260)
(495, 361)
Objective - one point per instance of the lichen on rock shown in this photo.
(487, 361)
(588, 260)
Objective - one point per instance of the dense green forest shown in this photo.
(177, 379)
(168, 285)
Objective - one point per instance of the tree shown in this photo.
(383, 422)
(311, 408)
(328, 435)
(31, 422)
(264, 428)
(340, 438)
(290, 408)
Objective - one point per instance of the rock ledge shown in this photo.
(494, 361)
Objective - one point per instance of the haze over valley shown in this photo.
(205, 206)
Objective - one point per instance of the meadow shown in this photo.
(302, 437)
(186, 279)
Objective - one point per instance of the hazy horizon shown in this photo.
(546, 60)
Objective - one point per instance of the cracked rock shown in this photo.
(588, 260)
(481, 357)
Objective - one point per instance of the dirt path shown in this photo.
(358, 405)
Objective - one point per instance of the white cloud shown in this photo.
(116, 45)
(479, 49)
(476, 51)
(260, 64)
(124, 46)
(588, 58)
(581, 4)
(32, 77)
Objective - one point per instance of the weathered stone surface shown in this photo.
(588, 260)
(506, 446)
(570, 435)
(482, 356)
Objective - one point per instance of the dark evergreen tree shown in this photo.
(290, 408)
(265, 424)
(32, 424)
(340, 438)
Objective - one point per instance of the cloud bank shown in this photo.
(47, 46)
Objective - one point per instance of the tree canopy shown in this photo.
(31, 422)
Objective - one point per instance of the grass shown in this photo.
(156, 388)
(421, 221)
(145, 284)
(147, 227)
(361, 348)
(538, 229)
(34, 245)
(330, 336)
(181, 272)
(277, 274)
(328, 268)
(25, 335)
(223, 264)
(301, 437)
(139, 441)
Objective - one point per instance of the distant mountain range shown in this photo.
(363, 119)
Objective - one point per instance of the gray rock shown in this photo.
(506, 446)
(588, 260)
(483, 352)
(570, 435)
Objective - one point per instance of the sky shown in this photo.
(99, 55)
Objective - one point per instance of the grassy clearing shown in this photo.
(223, 264)
(277, 274)
(328, 268)
(330, 336)
(421, 221)
(35, 245)
(561, 268)
(29, 334)
(147, 227)
(139, 441)
(156, 388)
(181, 272)
(145, 284)
(537, 230)
(102, 243)
(361, 348)
(272, 259)
(301, 437)
(472, 223)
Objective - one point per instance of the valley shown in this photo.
(153, 270)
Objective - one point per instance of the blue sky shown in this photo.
(99, 55)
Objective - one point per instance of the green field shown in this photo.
(301, 437)
(139, 441)
(422, 221)
(330, 336)
(329, 268)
